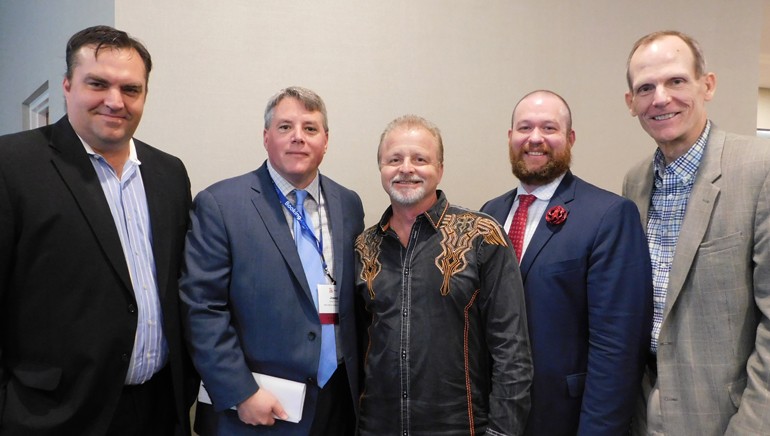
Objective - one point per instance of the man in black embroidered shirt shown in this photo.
(448, 348)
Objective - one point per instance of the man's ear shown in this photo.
(630, 103)
(710, 80)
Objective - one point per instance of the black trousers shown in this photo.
(146, 409)
(334, 414)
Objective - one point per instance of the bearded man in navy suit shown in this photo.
(587, 280)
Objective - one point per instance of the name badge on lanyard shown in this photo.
(328, 298)
(328, 304)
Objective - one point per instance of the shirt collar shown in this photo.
(685, 166)
(286, 187)
(434, 215)
(131, 150)
(543, 192)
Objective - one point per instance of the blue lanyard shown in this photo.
(319, 243)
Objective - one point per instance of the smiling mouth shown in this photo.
(664, 116)
(406, 182)
(113, 117)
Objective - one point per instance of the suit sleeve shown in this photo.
(507, 336)
(6, 253)
(204, 288)
(619, 295)
(753, 415)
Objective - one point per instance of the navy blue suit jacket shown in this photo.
(588, 290)
(246, 303)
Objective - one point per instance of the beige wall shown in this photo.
(462, 64)
(763, 108)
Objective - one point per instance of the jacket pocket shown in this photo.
(576, 384)
(45, 378)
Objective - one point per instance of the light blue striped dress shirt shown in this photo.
(128, 204)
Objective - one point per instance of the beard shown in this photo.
(555, 167)
(410, 196)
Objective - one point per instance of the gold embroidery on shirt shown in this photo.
(458, 233)
(368, 249)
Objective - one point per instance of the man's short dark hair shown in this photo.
(105, 37)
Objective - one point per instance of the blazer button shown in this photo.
(311, 336)
(131, 308)
(311, 380)
(124, 357)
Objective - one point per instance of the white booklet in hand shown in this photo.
(289, 393)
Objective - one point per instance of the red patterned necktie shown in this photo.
(519, 224)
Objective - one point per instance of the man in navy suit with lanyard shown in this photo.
(268, 284)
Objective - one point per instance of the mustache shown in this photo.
(400, 179)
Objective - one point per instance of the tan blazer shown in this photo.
(714, 343)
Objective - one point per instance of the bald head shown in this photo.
(540, 96)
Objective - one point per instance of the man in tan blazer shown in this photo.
(704, 200)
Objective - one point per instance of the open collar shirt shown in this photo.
(670, 192)
(448, 346)
(127, 200)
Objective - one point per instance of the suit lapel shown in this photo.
(333, 203)
(641, 192)
(159, 215)
(268, 206)
(564, 194)
(697, 216)
(501, 213)
(77, 172)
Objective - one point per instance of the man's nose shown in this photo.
(661, 96)
(536, 136)
(406, 166)
(298, 135)
(113, 99)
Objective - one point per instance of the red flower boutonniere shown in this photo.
(556, 215)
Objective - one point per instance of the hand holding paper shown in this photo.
(288, 397)
(260, 409)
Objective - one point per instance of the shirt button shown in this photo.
(404, 395)
(404, 312)
(311, 336)
(403, 354)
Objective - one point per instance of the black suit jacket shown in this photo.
(67, 309)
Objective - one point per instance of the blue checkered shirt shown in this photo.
(671, 189)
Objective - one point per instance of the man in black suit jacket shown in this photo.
(92, 226)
